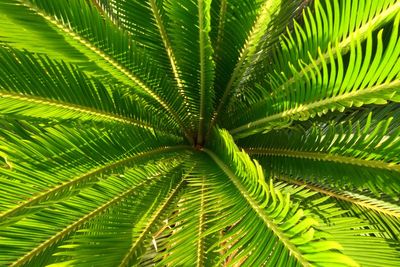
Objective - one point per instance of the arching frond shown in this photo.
(338, 82)
(36, 86)
(197, 74)
(121, 191)
(116, 54)
(270, 20)
(272, 214)
(188, 239)
(134, 17)
(364, 144)
(299, 52)
(235, 37)
(299, 49)
(358, 236)
(59, 162)
(381, 214)
(145, 225)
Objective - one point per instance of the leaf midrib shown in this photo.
(323, 156)
(74, 226)
(343, 46)
(126, 73)
(74, 107)
(260, 212)
(200, 238)
(43, 195)
(314, 105)
(203, 88)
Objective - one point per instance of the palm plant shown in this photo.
(199, 133)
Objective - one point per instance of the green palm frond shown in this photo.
(199, 71)
(113, 51)
(30, 86)
(269, 212)
(266, 27)
(199, 133)
(300, 52)
(133, 16)
(86, 206)
(381, 214)
(188, 229)
(353, 233)
(364, 144)
(143, 212)
(369, 78)
(72, 159)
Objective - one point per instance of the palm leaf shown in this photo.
(270, 19)
(112, 49)
(187, 228)
(353, 233)
(199, 71)
(31, 84)
(299, 50)
(89, 205)
(52, 176)
(283, 223)
(338, 87)
(364, 144)
(134, 17)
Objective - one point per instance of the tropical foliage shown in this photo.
(199, 133)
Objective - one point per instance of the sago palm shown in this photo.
(199, 133)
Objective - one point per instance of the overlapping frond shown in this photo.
(365, 73)
(59, 161)
(364, 144)
(264, 21)
(382, 214)
(193, 56)
(233, 36)
(114, 196)
(38, 87)
(146, 22)
(23, 29)
(185, 238)
(362, 238)
(117, 56)
(265, 219)
(325, 23)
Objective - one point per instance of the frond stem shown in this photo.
(84, 178)
(74, 226)
(200, 241)
(221, 25)
(321, 156)
(150, 223)
(74, 107)
(394, 85)
(256, 207)
(200, 137)
(126, 73)
(167, 44)
(345, 196)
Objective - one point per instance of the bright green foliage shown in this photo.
(199, 133)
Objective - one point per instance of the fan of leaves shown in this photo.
(199, 133)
